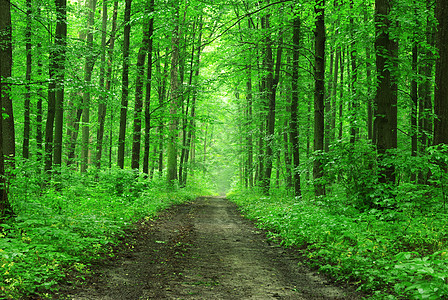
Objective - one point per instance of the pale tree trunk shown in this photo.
(319, 90)
(124, 85)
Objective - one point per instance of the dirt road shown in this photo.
(205, 250)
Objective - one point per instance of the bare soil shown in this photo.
(204, 250)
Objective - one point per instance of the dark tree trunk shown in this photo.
(174, 103)
(60, 44)
(138, 107)
(294, 124)
(148, 92)
(414, 105)
(384, 130)
(5, 73)
(441, 87)
(124, 85)
(88, 68)
(26, 121)
(319, 90)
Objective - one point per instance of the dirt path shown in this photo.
(205, 250)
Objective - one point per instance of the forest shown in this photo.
(326, 121)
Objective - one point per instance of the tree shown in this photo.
(319, 90)
(5, 74)
(385, 124)
(294, 130)
(441, 87)
(174, 101)
(124, 84)
(60, 43)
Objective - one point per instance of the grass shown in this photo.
(390, 254)
(66, 227)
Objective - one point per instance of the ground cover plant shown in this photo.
(71, 223)
(390, 254)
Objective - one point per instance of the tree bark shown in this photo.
(441, 86)
(5, 73)
(148, 92)
(385, 130)
(294, 124)
(27, 102)
(174, 102)
(60, 43)
(124, 85)
(319, 90)
(88, 68)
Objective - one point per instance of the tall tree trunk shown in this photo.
(60, 41)
(148, 91)
(26, 121)
(319, 90)
(124, 85)
(250, 148)
(354, 107)
(102, 105)
(5, 73)
(174, 102)
(193, 104)
(385, 130)
(138, 107)
(294, 124)
(441, 86)
(271, 89)
(414, 105)
(88, 68)
(6, 69)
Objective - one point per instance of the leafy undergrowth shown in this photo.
(65, 228)
(387, 254)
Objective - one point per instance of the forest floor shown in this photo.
(203, 249)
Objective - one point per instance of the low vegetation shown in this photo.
(71, 223)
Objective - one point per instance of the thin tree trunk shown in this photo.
(294, 124)
(145, 50)
(124, 85)
(319, 110)
(174, 103)
(148, 93)
(26, 121)
(88, 68)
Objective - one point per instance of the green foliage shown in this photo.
(387, 253)
(67, 225)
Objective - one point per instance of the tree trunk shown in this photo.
(5, 73)
(294, 124)
(60, 43)
(319, 90)
(124, 85)
(142, 53)
(88, 68)
(26, 121)
(174, 103)
(441, 86)
(148, 92)
(385, 130)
